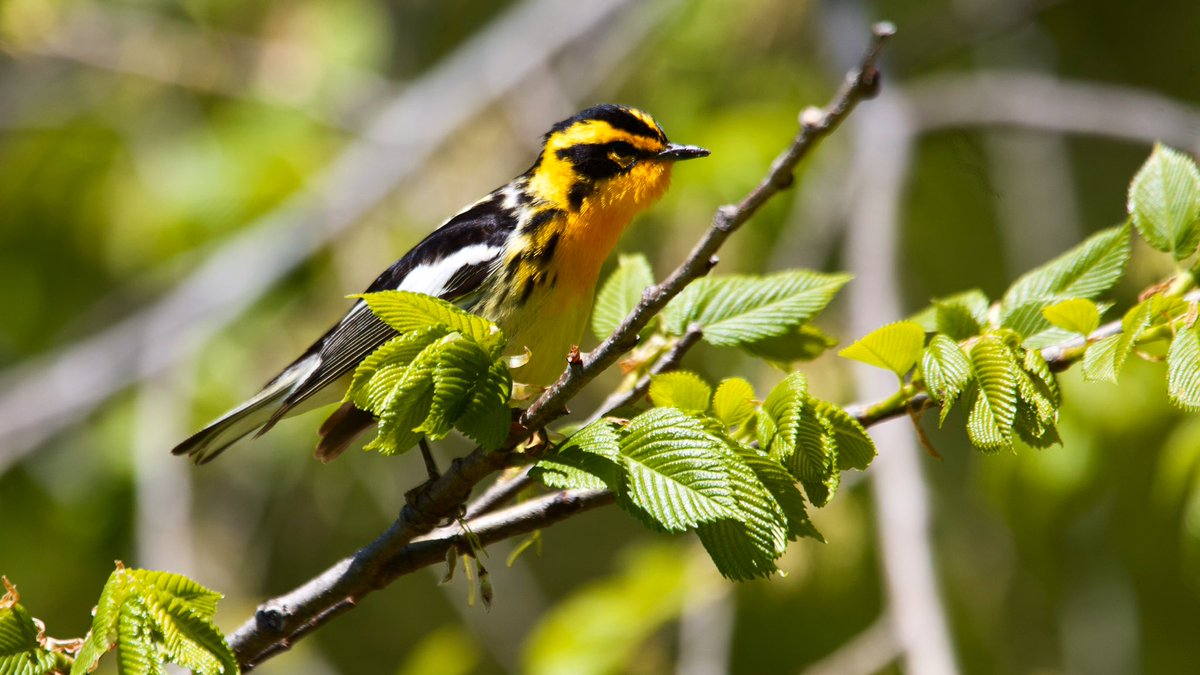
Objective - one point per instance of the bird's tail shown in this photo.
(204, 445)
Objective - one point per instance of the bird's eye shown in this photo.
(622, 160)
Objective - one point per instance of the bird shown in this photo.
(526, 256)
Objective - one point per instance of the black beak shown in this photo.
(675, 152)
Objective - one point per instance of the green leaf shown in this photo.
(1103, 360)
(620, 293)
(812, 456)
(736, 310)
(680, 389)
(487, 418)
(1086, 271)
(990, 423)
(747, 546)
(20, 651)
(429, 381)
(675, 473)
(947, 372)
(1164, 202)
(733, 403)
(780, 414)
(855, 449)
(1076, 315)
(408, 312)
(895, 347)
(803, 343)
(782, 486)
(590, 459)
(974, 302)
(152, 618)
(1183, 369)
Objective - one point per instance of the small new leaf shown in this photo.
(407, 312)
(1076, 315)
(20, 651)
(990, 424)
(733, 403)
(947, 372)
(680, 389)
(895, 347)
(620, 293)
(1164, 202)
(1183, 369)
(153, 618)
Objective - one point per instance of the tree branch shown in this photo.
(278, 623)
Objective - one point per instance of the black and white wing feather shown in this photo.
(452, 263)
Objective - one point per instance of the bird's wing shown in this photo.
(452, 263)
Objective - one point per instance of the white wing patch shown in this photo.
(431, 278)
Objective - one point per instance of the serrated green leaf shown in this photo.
(680, 389)
(746, 546)
(895, 347)
(487, 418)
(733, 403)
(369, 387)
(408, 312)
(1076, 315)
(813, 458)
(735, 310)
(947, 372)
(1164, 202)
(675, 474)
(974, 301)
(153, 618)
(990, 423)
(855, 449)
(1103, 360)
(1085, 271)
(1183, 369)
(780, 414)
(803, 343)
(461, 365)
(590, 459)
(782, 486)
(20, 651)
(620, 293)
(1033, 429)
(956, 320)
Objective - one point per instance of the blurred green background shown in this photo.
(189, 189)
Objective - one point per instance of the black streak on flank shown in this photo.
(547, 252)
(541, 218)
(530, 284)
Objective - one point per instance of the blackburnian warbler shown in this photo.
(527, 256)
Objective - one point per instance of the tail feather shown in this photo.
(212, 440)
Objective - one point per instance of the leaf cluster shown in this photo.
(149, 618)
(719, 463)
(444, 371)
(987, 354)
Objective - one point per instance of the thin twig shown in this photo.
(285, 619)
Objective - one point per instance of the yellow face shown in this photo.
(608, 158)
